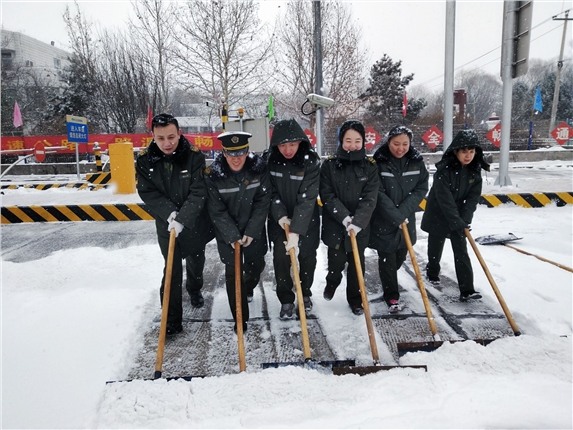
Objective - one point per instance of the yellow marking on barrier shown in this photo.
(566, 197)
(542, 198)
(4, 220)
(137, 210)
(43, 213)
(119, 215)
(92, 212)
(518, 200)
(493, 200)
(19, 213)
(68, 213)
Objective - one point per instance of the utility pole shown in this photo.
(449, 73)
(319, 126)
(558, 74)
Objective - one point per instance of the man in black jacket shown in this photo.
(295, 172)
(170, 182)
(239, 197)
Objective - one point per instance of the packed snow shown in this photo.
(74, 319)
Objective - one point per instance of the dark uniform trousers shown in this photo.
(250, 276)
(282, 265)
(194, 265)
(388, 265)
(462, 262)
(337, 259)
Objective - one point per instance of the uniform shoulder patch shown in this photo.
(194, 148)
(331, 157)
(207, 170)
(143, 152)
(372, 160)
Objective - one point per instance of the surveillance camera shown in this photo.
(320, 100)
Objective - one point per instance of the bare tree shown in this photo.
(483, 94)
(153, 44)
(222, 49)
(343, 61)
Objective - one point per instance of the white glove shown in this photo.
(347, 221)
(292, 243)
(171, 217)
(175, 225)
(284, 220)
(354, 228)
(246, 241)
(406, 221)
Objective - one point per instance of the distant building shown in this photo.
(492, 121)
(19, 50)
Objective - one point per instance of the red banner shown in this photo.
(203, 141)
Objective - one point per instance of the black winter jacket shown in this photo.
(175, 183)
(295, 184)
(455, 193)
(238, 205)
(403, 186)
(347, 188)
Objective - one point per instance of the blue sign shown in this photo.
(77, 129)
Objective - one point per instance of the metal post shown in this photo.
(509, 9)
(558, 74)
(530, 138)
(449, 73)
(319, 126)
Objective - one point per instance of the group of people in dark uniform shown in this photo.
(242, 196)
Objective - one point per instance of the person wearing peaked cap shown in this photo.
(450, 207)
(348, 191)
(171, 184)
(239, 196)
(295, 171)
(403, 185)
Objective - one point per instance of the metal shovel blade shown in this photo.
(405, 347)
(494, 239)
(366, 370)
(310, 363)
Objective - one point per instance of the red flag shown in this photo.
(405, 105)
(17, 116)
(149, 117)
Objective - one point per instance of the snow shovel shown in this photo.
(164, 312)
(308, 360)
(165, 305)
(510, 319)
(239, 308)
(364, 370)
(503, 239)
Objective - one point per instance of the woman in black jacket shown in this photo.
(403, 185)
(450, 207)
(348, 191)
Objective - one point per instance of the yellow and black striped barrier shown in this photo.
(57, 213)
(76, 185)
(99, 177)
(138, 212)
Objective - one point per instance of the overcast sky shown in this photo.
(411, 31)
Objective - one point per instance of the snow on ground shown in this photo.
(64, 333)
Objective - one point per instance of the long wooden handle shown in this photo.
(300, 300)
(431, 321)
(561, 266)
(239, 308)
(165, 304)
(493, 284)
(369, 325)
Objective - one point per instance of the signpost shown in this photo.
(310, 136)
(433, 137)
(372, 137)
(562, 133)
(77, 133)
(39, 152)
(494, 135)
